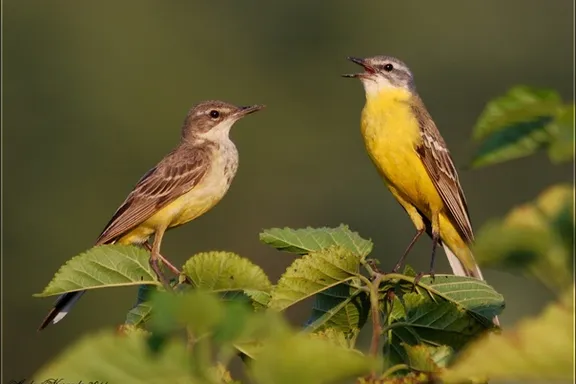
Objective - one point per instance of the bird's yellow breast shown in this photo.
(391, 133)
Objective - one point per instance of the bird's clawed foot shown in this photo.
(416, 281)
(155, 265)
(168, 264)
(419, 276)
(165, 261)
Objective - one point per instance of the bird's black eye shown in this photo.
(388, 67)
(214, 114)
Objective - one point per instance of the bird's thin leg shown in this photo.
(167, 263)
(407, 251)
(435, 241)
(155, 252)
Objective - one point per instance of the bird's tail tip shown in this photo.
(458, 267)
(61, 308)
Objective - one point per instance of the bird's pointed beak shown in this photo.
(369, 70)
(243, 111)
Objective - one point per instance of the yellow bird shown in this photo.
(185, 184)
(411, 155)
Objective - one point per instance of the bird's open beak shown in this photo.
(369, 70)
(243, 111)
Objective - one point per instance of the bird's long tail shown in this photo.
(61, 308)
(459, 269)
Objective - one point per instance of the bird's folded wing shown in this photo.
(440, 167)
(170, 179)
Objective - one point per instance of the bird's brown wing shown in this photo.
(175, 175)
(440, 167)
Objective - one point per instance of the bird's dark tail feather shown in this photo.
(61, 308)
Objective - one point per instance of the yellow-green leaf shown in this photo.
(561, 148)
(449, 310)
(426, 358)
(302, 241)
(340, 307)
(291, 358)
(334, 336)
(103, 266)
(519, 104)
(198, 310)
(520, 123)
(225, 271)
(314, 273)
(108, 357)
(537, 349)
(536, 238)
(141, 311)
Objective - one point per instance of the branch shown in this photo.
(375, 309)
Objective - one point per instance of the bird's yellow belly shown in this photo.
(185, 208)
(391, 134)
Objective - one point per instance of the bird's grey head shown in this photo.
(383, 73)
(211, 120)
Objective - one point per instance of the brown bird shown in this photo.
(185, 184)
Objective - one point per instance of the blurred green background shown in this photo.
(95, 93)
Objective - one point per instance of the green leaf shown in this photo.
(519, 124)
(312, 274)
(103, 266)
(430, 324)
(302, 241)
(107, 357)
(475, 296)
(425, 358)
(519, 104)
(562, 147)
(334, 336)
(451, 310)
(127, 329)
(139, 315)
(535, 238)
(409, 271)
(258, 328)
(225, 271)
(208, 319)
(538, 349)
(260, 299)
(141, 311)
(197, 310)
(524, 139)
(341, 307)
(233, 323)
(309, 360)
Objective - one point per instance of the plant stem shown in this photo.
(396, 368)
(375, 309)
(390, 327)
(368, 284)
(368, 267)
